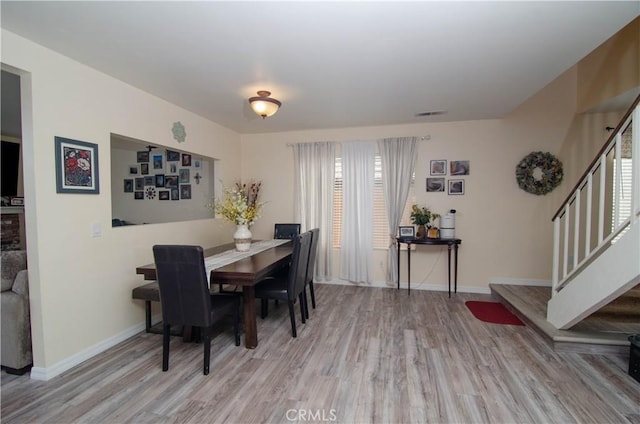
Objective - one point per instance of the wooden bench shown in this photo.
(149, 293)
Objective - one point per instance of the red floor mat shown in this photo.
(493, 312)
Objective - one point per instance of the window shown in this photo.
(380, 226)
(622, 211)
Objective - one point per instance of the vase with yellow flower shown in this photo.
(240, 206)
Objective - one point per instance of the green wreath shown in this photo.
(549, 177)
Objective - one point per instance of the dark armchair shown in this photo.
(186, 299)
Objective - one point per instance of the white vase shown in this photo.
(242, 238)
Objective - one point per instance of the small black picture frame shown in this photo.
(138, 195)
(406, 231)
(144, 169)
(159, 180)
(171, 181)
(142, 156)
(128, 185)
(186, 159)
(173, 156)
(175, 194)
(185, 191)
(164, 195)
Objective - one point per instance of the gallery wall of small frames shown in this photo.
(165, 177)
(447, 178)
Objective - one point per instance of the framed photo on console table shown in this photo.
(406, 231)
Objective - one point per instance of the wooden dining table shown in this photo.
(245, 273)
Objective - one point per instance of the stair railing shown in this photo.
(578, 235)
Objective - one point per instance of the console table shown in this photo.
(450, 243)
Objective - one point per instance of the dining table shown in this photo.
(245, 273)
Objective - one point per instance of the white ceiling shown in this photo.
(332, 64)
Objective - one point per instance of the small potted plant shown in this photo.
(422, 217)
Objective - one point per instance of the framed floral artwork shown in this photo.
(76, 166)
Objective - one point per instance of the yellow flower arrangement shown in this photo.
(239, 204)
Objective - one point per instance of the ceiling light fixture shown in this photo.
(264, 105)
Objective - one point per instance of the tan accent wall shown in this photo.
(610, 70)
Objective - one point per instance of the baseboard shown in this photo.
(44, 374)
(521, 282)
(416, 286)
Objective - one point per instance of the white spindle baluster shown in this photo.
(576, 229)
(556, 255)
(603, 186)
(587, 223)
(565, 259)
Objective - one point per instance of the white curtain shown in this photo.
(398, 156)
(314, 165)
(356, 253)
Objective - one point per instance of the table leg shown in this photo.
(250, 325)
(449, 266)
(409, 269)
(398, 252)
(456, 269)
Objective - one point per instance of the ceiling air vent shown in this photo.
(436, 112)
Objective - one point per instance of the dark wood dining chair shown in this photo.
(186, 299)
(285, 231)
(289, 288)
(313, 248)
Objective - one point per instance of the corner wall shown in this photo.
(80, 285)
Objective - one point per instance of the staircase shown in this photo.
(596, 246)
(593, 304)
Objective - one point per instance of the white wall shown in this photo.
(81, 286)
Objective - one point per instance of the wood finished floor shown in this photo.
(367, 355)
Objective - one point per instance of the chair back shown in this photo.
(286, 231)
(298, 268)
(315, 234)
(184, 290)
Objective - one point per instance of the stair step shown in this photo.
(603, 332)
